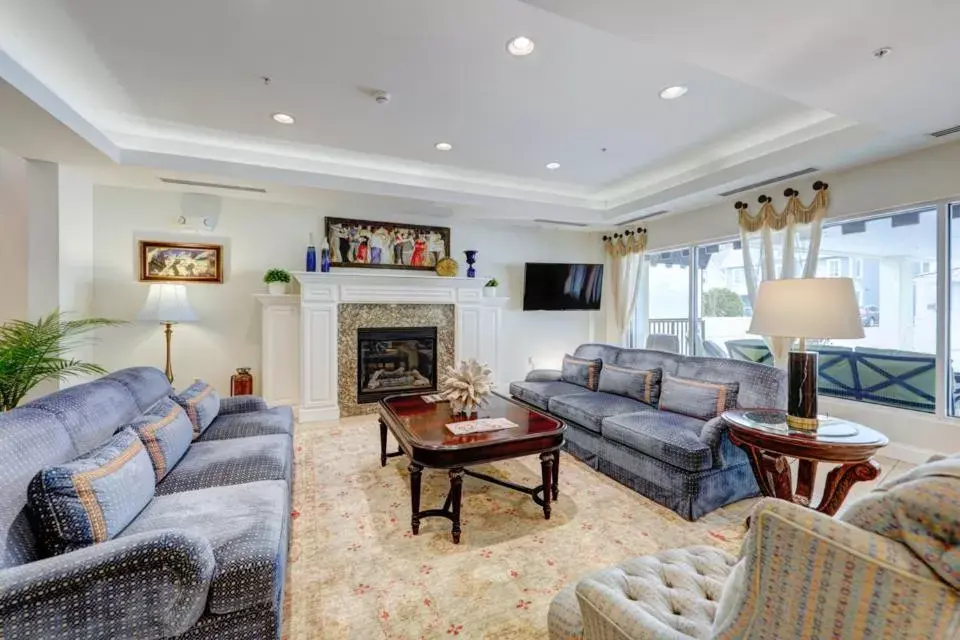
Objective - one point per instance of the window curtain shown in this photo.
(625, 264)
(783, 244)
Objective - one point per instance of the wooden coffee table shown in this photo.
(420, 429)
(762, 433)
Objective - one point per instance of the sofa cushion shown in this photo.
(246, 527)
(202, 403)
(588, 409)
(166, 433)
(632, 383)
(226, 462)
(697, 398)
(669, 437)
(92, 498)
(277, 420)
(583, 372)
(147, 385)
(539, 393)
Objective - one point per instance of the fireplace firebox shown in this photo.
(395, 360)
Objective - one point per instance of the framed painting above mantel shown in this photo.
(385, 245)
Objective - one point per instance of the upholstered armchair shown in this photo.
(888, 567)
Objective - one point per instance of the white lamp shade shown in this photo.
(807, 308)
(167, 303)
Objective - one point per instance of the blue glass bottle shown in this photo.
(325, 256)
(311, 256)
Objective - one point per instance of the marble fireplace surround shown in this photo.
(371, 316)
(333, 305)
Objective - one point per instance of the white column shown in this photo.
(279, 373)
(896, 306)
(318, 348)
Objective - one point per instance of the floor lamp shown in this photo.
(168, 305)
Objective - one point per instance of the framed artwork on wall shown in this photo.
(385, 245)
(185, 262)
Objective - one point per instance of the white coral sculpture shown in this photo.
(466, 386)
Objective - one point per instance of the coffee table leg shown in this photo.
(383, 443)
(546, 472)
(415, 472)
(556, 475)
(456, 493)
(841, 479)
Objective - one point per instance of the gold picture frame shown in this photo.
(183, 262)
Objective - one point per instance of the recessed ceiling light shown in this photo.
(443, 146)
(553, 166)
(283, 118)
(520, 46)
(672, 93)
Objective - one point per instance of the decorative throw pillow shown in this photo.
(166, 433)
(201, 403)
(581, 371)
(633, 383)
(94, 497)
(697, 399)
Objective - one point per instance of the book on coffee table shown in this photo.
(481, 425)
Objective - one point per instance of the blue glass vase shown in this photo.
(311, 256)
(471, 259)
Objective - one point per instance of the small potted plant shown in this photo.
(490, 289)
(277, 281)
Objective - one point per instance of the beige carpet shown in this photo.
(357, 572)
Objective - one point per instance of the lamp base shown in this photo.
(168, 333)
(802, 391)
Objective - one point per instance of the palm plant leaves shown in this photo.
(31, 352)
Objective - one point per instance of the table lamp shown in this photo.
(805, 308)
(168, 305)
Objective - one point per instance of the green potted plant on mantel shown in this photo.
(277, 281)
(34, 352)
(490, 289)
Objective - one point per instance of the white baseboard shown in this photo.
(318, 414)
(907, 453)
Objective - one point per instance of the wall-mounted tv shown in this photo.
(561, 287)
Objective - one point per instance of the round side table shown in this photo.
(764, 435)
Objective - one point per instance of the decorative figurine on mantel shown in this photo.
(466, 387)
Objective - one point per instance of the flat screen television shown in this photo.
(562, 287)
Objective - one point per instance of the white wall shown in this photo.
(13, 237)
(901, 182)
(258, 235)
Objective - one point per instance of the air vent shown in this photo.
(562, 223)
(945, 132)
(645, 216)
(764, 183)
(212, 185)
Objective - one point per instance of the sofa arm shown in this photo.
(150, 585)
(543, 375)
(242, 404)
(806, 575)
(716, 434)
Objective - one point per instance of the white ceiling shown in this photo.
(177, 86)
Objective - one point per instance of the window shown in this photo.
(857, 272)
(668, 305)
(953, 317)
(724, 306)
(833, 269)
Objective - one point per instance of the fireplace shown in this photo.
(395, 360)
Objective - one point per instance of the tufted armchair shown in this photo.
(888, 567)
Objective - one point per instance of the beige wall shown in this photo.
(258, 235)
(13, 236)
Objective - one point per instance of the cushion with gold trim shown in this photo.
(642, 385)
(584, 372)
(697, 398)
(94, 497)
(202, 404)
(166, 433)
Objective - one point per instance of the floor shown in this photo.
(889, 468)
(356, 572)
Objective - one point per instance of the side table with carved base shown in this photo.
(763, 434)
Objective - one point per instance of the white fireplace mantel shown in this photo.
(477, 332)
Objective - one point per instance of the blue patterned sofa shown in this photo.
(205, 558)
(684, 463)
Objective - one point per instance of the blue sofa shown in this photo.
(683, 463)
(204, 559)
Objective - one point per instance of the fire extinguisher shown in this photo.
(241, 383)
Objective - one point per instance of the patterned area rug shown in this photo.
(356, 571)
